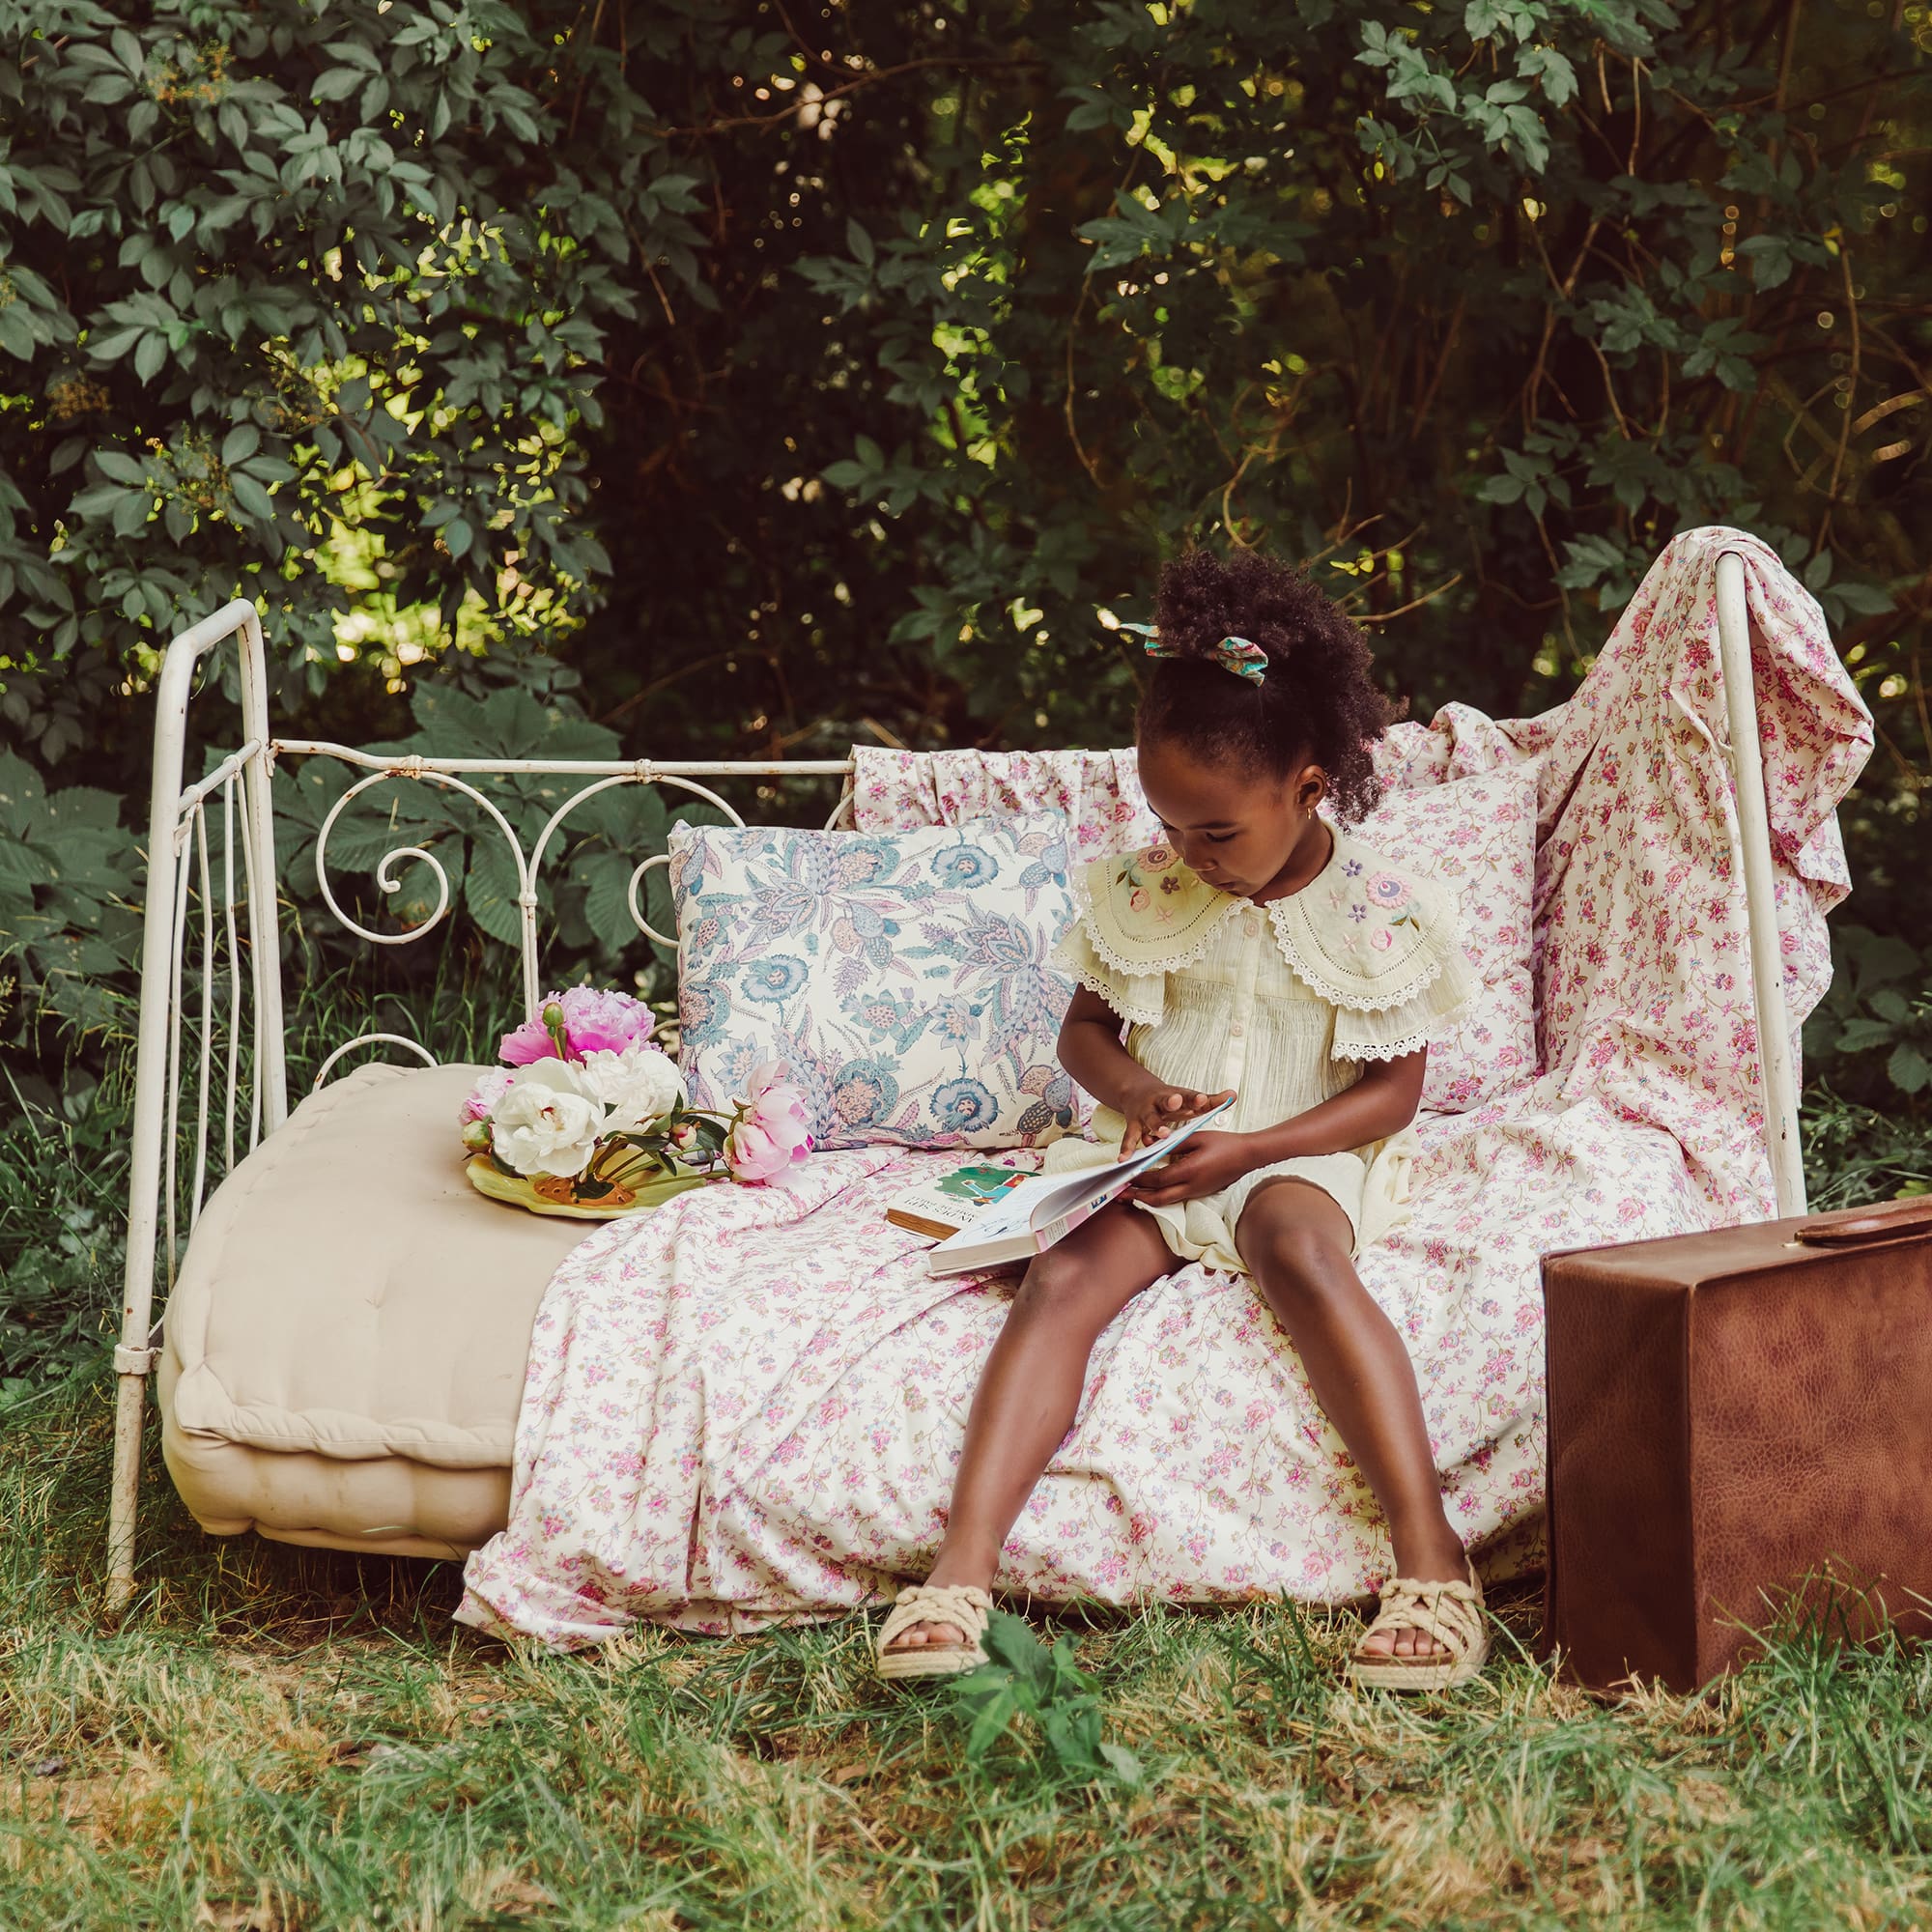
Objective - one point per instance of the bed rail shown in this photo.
(1745, 753)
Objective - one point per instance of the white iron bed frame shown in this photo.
(179, 858)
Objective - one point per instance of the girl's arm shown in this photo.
(1091, 1050)
(1380, 1104)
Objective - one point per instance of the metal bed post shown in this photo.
(1745, 753)
(134, 1356)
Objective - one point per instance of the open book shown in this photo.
(945, 1202)
(1029, 1219)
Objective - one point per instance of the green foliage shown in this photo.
(269, 267)
(1880, 1003)
(63, 1209)
(1022, 1676)
(1855, 1153)
(69, 890)
(1473, 305)
(884, 346)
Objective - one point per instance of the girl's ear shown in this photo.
(1311, 788)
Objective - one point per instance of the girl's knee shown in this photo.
(1300, 1259)
(1056, 1290)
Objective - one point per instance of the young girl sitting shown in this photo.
(1255, 951)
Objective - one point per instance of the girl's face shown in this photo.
(1241, 832)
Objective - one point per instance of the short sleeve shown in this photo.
(1139, 998)
(1392, 1032)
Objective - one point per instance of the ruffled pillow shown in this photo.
(1476, 838)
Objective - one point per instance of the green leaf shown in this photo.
(17, 336)
(338, 84)
(1010, 1641)
(1908, 1068)
(1879, 957)
(254, 501)
(1546, 64)
(122, 468)
(21, 866)
(492, 889)
(995, 1714)
(607, 878)
(860, 243)
(1860, 1035)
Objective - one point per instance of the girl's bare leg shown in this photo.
(1029, 1391)
(1296, 1242)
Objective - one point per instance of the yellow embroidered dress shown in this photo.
(1285, 1003)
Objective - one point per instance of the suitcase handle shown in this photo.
(1891, 1221)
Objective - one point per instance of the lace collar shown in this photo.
(1362, 933)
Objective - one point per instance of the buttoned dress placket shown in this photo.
(1241, 1017)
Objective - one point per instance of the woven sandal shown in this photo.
(964, 1605)
(1452, 1613)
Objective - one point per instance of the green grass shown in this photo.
(279, 1739)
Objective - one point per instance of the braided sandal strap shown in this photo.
(1452, 1613)
(965, 1606)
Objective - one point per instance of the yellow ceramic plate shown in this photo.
(516, 1192)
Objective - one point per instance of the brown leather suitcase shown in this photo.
(1731, 1415)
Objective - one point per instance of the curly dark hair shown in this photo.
(1319, 702)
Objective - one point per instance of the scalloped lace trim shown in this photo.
(1134, 1015)
(1382, 998)
(1391, 1049)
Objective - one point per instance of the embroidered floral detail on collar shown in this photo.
(1360, 933)
(1363, 935)
(1147, 912)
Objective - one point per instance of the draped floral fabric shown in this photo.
(750, 1405)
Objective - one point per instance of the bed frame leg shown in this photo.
(130, 1397)
(1766, 950)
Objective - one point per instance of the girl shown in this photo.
(1255, 951)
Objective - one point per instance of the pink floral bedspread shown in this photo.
(749, 1406)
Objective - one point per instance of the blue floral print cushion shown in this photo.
(903, 977)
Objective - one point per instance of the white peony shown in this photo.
(545, 1124)
(639, 1085)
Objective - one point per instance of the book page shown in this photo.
(1038, 1203)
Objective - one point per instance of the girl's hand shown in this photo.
(1155, 1113)
(1208, 1162)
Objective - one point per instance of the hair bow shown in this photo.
(1235, 654)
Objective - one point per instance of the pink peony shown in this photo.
(772, 1128)
(595, 1020)
(598, 1021)
(484, 1095)
(529, 1041)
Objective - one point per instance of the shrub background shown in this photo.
(705, 375)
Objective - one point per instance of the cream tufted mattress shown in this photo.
(344, 1352)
